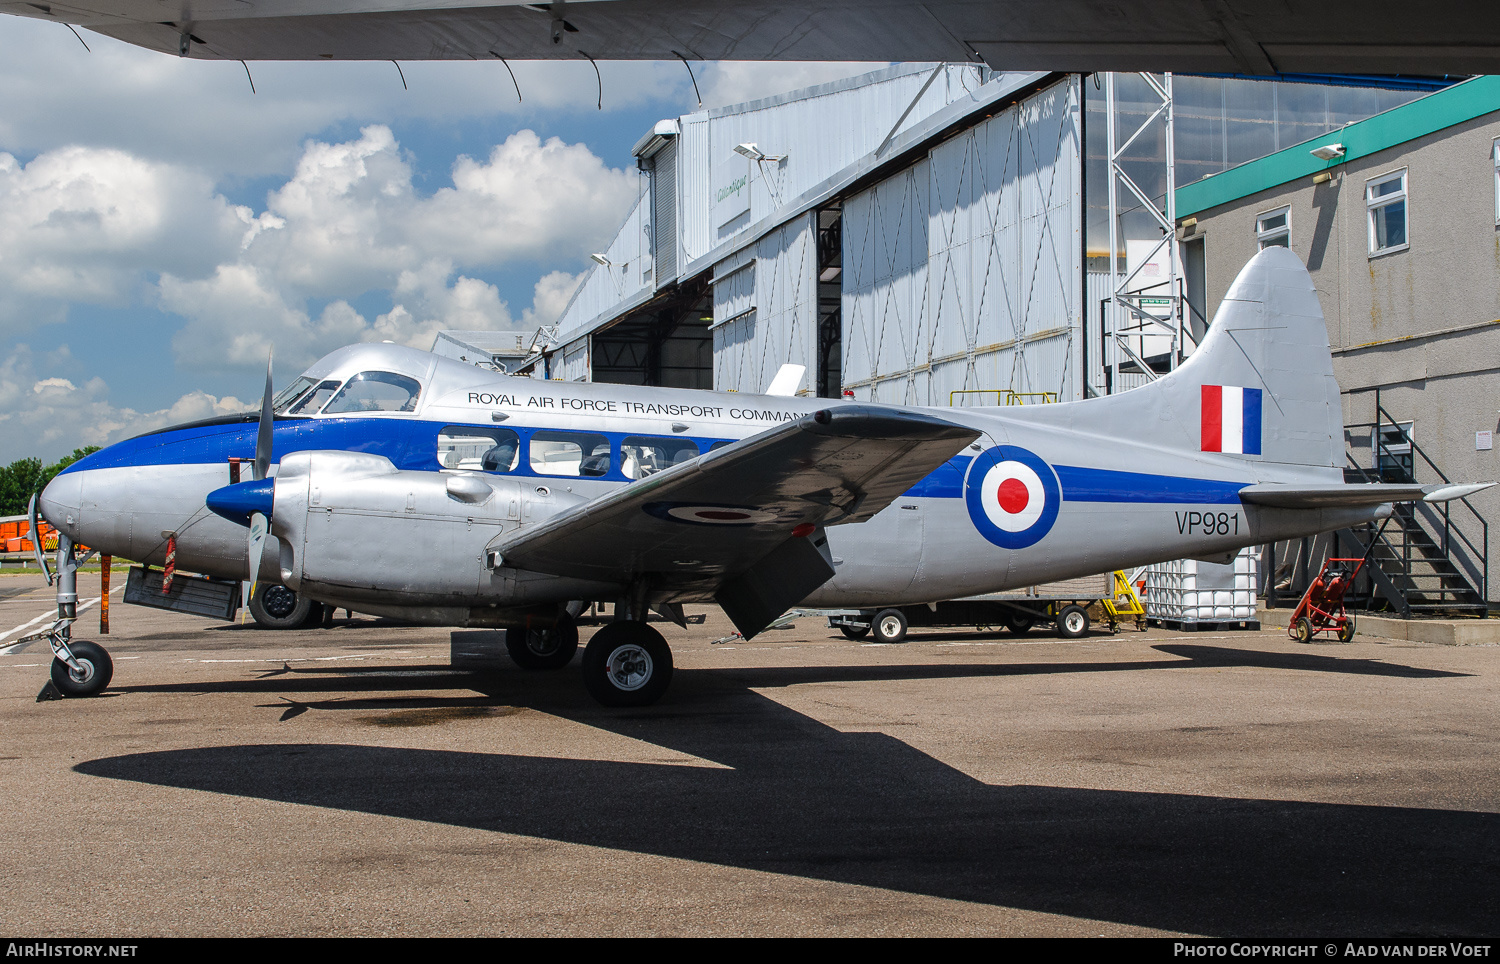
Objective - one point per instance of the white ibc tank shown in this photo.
(1189, 591)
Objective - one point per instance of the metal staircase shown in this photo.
(1425, 559)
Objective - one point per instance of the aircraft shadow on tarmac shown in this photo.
(863, 808)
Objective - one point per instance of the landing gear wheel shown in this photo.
(543, 647)
(95, 670)
(627, 663)
(855, 632)
(1346, 631)
(890, 626)
(1017, 623)
(1302, 630)
(1072, 621)
(274, 606)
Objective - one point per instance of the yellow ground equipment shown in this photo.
(1123, 602)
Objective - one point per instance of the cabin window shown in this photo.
(314, 399)
(376, 392)
(1274, 229)
(569, 453)
(642, 455)
(1385, 197)
(478, 449)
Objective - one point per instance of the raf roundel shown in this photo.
(709, 515)
(1012, 496)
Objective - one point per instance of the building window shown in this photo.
(1274, 229)
(1385, 196)
(1495, 156)
(1393, 451)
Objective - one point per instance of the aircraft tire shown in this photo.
(890, 626)
(274, 606)
(1346, 632)
(543, 647)
(1303, 629)
(98, 668)
(627, 663)
(1072, 621)
(855, 632)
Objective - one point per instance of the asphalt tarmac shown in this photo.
(345, 781)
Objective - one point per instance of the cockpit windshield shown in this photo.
(376, 392)
(313, 400)
(283, 401)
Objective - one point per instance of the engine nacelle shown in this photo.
(355, 528)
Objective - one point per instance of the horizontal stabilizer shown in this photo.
(1336, 494)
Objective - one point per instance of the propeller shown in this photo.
(263, 433)
(258, 522)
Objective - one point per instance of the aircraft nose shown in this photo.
(61, 503)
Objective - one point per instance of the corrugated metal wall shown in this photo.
(628, 277)
(964, 271)
(766, 310)
(575, 361)
(821, 131)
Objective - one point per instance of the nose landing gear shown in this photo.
(79, 668)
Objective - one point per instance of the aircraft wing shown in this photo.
(1337, 495)
(722, 525)
(1237, 36)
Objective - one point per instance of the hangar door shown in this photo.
(963, 273)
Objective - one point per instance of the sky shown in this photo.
(162, 227)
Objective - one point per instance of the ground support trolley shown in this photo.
(1063, 605)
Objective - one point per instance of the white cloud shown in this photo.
(551, 296)
(84, 224)
(49, 417)
(530, 199)
(350, 222)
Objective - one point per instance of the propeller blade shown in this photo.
(257, 544)
(263, 436)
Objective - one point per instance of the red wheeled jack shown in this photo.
(1322, 607)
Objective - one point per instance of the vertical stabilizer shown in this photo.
(1259, 389)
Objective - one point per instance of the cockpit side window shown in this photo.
(478, 449)
(290, 394)
(376, 392)
(314, 399)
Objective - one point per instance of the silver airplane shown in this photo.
(398, 483)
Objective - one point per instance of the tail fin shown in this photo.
(1260, 386)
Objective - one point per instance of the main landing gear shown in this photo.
(627, 663)
(543, 647)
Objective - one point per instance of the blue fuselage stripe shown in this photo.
(412, 444)
(1080, 484)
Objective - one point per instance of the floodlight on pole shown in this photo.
(602, 261)
(756, 154)
(1328, 152)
